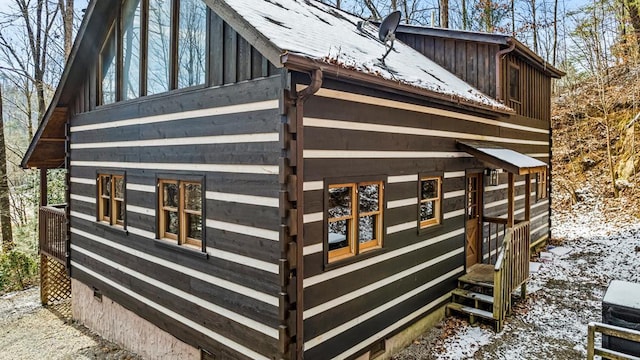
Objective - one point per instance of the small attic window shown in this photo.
(514, 82)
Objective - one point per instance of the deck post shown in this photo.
(511, 201)
(41, 226)
(43, 187)
(527, 197)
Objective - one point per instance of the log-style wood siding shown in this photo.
(473, 62)
(225, 300)
(353, 131)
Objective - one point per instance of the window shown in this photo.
(354, 218)
(430, 201)
(131, 40)
(159, 47)
(192, 36)
(180, 220)
(541, 185)
(514, 82)
(111, 205)
(107, 68)
(154, 46)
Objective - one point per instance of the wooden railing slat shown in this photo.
(52, 232)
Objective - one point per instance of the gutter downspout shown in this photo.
(291, 214)
(499, 55)
(304, 95)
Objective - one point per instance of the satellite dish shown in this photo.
(389, 26)
(387, 33)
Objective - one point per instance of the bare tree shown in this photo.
(5, 204)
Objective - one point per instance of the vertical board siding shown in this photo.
(348, 133)
(230, 59)
(225, 298)
(535, 90)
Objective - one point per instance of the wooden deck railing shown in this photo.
(611, 330)
(495, 229)
(511, 270)
(53, 232)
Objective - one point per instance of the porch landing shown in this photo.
(479, 274)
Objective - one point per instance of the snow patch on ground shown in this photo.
(564, 296)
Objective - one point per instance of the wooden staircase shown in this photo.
(474, 295)
(485, 291)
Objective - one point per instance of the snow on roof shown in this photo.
(320, 32)
(512, 157)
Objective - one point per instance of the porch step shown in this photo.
(470, 311)
(471, 295)
(478, 275)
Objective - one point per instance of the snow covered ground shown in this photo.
(564, 296)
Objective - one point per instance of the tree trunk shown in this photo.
(444, 13)
(555, 33)
(463, 5)
(634, 17)
(534, 26)
(67, 19)
(513, 17)
(5, 205)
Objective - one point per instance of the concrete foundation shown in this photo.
(121, 326)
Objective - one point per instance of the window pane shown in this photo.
(429, 189)
(106, 208)
(192, 35)
(131, 49)
(514, 82)
(339, 234)
(119, 187)
(170, 195)
(367, 228)
(368, 197)
(108, 71)
(340, 202)
(194, 226)
(193, 197)
(119, 211)
(106, 185)
(171, 222)
(159, 46)
(427, 210)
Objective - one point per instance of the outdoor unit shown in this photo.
(621, 307)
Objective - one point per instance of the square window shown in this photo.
(430, 201)
(111, 199)
(353, 227)
(181, 219)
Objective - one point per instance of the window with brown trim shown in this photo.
(354, 218)
(541, 185)
(514, 82)
(111, 204)
(430, 201)
(180, 215)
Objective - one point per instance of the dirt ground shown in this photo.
(564, 296)
(29, 331)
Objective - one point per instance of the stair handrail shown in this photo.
(511, 270)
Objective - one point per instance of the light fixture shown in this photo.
(494, 180)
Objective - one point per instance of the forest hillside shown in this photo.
(595, 141)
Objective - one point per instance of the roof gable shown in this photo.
(323, 33)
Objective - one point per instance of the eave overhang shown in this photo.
(302, 63)
(503, 158)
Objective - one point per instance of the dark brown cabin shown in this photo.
(242, 185)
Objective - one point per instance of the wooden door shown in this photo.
(473, 216)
